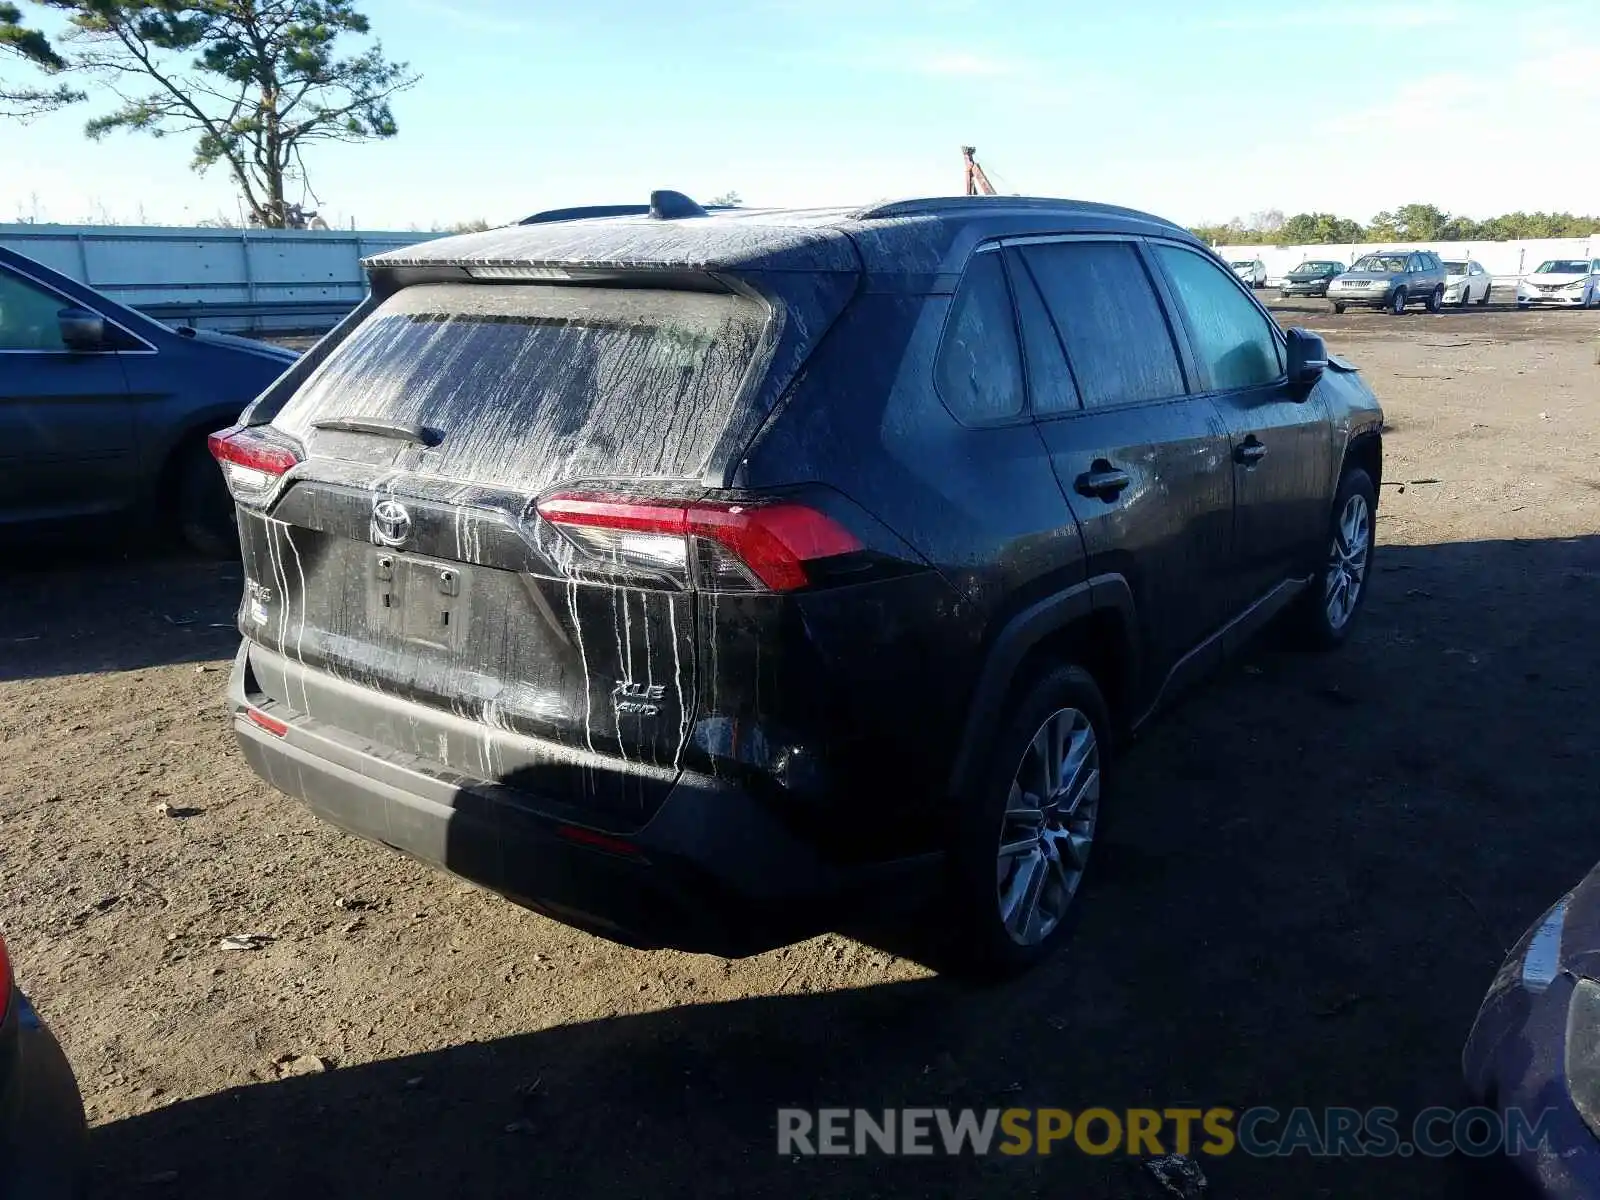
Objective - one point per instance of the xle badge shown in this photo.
(637, 699)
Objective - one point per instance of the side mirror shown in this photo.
(82, 329)
(1308, 356)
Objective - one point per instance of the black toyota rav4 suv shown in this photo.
(702, 579)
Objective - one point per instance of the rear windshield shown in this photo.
(529, 384)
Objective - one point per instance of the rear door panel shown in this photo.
(1169, 530)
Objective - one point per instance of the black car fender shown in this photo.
(1012, 648)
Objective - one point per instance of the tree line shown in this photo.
(255, 83)
(1408, 223)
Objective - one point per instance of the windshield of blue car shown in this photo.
(1564, 266)
(1456, 268)
(1383, 264)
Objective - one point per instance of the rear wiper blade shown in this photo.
(378, 427)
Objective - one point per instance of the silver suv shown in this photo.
(1391, 280)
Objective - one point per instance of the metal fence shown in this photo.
(236, 280)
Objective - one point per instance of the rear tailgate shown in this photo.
(403, 553)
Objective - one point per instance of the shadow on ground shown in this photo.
(73, 608)
(1313, 869)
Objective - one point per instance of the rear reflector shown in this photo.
(272, 725)
(600, 841)
(758, 546)
(253, 458)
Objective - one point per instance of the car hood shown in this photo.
(1558, 279)
(242, 345)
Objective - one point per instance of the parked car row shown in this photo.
(1395, 279)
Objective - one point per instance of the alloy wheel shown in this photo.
(1048, 826)
(1347, 561)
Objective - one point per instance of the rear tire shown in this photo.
(1327, 609)
(1397, 303)
(1436, 299)
(1337, 307)
(1487, 289)
(202, 505)
(1018, 862)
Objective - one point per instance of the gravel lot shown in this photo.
(1316, 865)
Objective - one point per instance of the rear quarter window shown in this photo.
(979, 369)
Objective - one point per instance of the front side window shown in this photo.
(1111, 323)
(979, 373)
(29, 317)
(1236, 344)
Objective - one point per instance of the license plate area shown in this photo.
(420, 600)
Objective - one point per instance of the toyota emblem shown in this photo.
(391, 523)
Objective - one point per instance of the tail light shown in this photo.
(718, 546)
(7, 981)
(254, 460)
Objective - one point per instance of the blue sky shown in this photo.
(1202, 110)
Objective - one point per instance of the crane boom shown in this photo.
(977, 182)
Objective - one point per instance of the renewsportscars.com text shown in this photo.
(1260, 1132)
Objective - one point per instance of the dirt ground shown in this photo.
(1316, 865)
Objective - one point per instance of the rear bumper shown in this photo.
(42, 1128)
(712, 869)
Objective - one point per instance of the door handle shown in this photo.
(1250, 451)
(1102, 480)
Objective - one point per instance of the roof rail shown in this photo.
(934, 204)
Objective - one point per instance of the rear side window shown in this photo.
(1050, 381)
(1232, 339)
(1110, 320)
(528, 384)
(979, 372)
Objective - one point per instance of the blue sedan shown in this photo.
(105, 412)
(1534, 1050)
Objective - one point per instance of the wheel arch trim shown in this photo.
(1011, 647)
